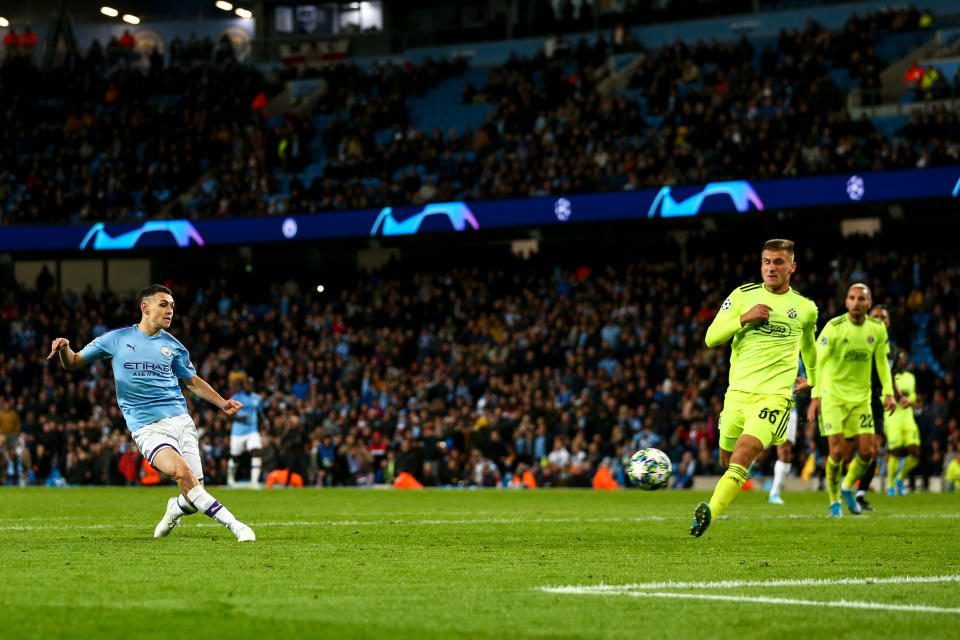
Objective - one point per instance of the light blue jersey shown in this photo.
(146, 370)
(247, 419)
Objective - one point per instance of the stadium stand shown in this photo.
(195, 136)
(572, 366)
(406, 134)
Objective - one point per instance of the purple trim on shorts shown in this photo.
(212, 511)
(154, 452)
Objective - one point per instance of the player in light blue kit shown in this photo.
(245, 434)
(147, 365)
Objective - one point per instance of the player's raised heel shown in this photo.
(850, 498)
(775, 499)
(901, 490)
(836, 510)
(701, 519)
(244, 533)
(169, 520)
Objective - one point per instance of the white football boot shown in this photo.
(243, 532)
(169, 520)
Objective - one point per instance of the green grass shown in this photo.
(78, 563)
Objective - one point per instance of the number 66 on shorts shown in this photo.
(765, 417)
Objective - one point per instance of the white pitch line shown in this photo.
(349, 523)
(649, 518)
(733, 584)
(437, 521)
(844, 604)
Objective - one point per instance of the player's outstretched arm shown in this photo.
(69, 359)
(202, 389)
(808, 351)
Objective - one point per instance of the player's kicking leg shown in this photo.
(747, 448)
(193, 497)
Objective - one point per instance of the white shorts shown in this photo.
(177, 432)
(249, 442)
(792, 426)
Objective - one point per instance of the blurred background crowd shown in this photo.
(196, 134)
(461, 375)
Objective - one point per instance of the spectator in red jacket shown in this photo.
(913, 77)
(127, 45)
(28, 42)
(11, 42)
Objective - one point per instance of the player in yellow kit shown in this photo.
(901, 430)
(841, 399)
(880, 313)
(770, 324)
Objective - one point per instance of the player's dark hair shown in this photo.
(881, 307)
(153, 290)
(779, 244)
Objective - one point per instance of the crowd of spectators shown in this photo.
(19, 44)
(571, 16)
(459, 376)
(195, 140)
(709, 112)
(78, 144)
(189, 139)
(930, 83)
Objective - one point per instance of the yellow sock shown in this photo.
(833, 479)
(908, 465)
(892, 465)
(857, 468)
(727, 488)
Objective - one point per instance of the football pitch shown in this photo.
(82, 563)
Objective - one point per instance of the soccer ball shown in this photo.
(650, 469)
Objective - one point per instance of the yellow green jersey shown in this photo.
(907, 384)
(953, 471)
(763, 355)
(844, 353)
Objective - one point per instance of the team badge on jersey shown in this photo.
(792, 313)
(726, 305)
(869, 339)
(166, 351)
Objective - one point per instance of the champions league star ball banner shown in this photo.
(715, 198)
